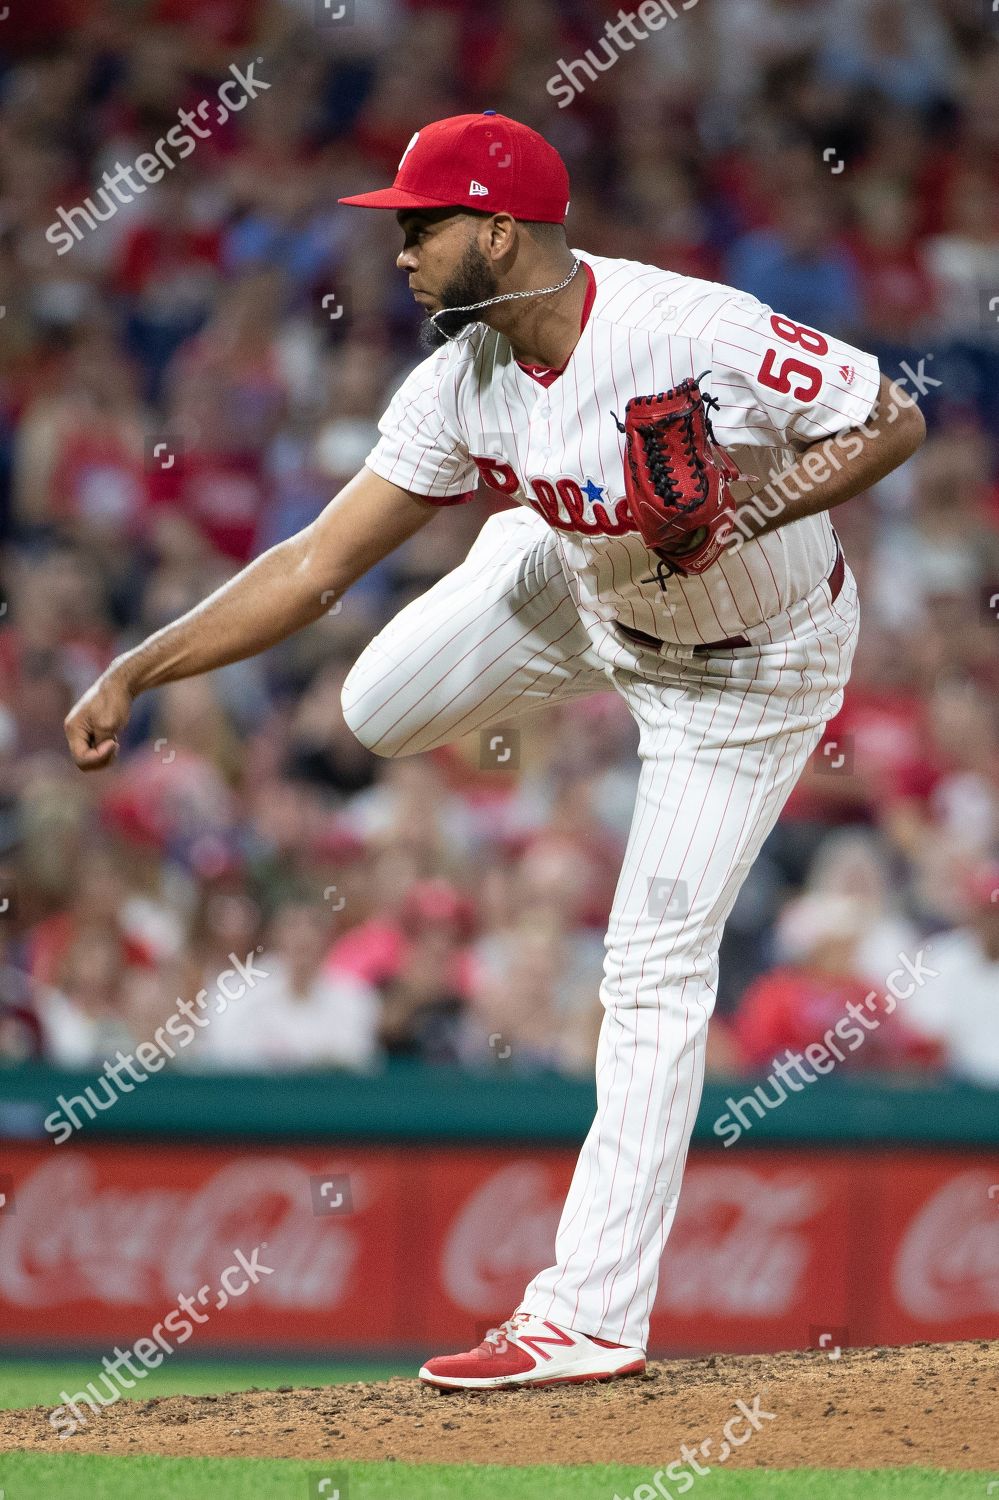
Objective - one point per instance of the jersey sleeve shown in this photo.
(781, 383)
(421, 448)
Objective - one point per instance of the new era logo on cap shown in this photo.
(476, 189)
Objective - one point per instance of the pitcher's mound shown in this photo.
(935, 1405)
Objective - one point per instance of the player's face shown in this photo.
(446, 269)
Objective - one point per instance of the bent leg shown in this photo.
(494, 639)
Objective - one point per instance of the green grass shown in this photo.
(79, 1477)
(72, 1476)
(39, 1382)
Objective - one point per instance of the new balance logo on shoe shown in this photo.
(561, 1340)
(528, 1350)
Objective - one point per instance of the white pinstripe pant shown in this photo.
(723, 739)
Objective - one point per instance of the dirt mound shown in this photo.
(930, 1404)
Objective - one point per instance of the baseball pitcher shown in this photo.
(670, 449)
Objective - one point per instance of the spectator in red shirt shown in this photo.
(822, 1000)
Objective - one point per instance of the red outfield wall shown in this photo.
(419, 1247)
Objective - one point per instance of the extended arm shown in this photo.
(289, 586)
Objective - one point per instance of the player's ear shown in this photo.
(501, 235)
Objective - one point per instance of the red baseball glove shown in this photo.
(676, 477)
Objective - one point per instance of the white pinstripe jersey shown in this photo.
(472, 412)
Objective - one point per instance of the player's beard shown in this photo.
(473, 281)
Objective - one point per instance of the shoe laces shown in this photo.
(499, 1337)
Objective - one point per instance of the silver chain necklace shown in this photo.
(545, 291)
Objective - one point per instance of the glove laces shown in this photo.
(664, 476)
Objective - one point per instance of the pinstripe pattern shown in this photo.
(647, 330)
(721, 747)
(722, 740)
(531, 617)
(494, 639)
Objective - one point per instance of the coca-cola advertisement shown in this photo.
(757, 1253)
(386, 1248)
(99, 1243)
(943, 1275)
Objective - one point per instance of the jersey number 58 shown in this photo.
(780, 380)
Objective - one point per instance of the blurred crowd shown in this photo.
(195, 376)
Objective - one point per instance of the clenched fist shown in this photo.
(93, 724)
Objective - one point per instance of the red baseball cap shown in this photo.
(485, 161)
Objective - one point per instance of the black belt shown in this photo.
(734, 642)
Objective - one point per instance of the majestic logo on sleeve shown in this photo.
(563, 502)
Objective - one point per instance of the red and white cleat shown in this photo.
(526, 1350)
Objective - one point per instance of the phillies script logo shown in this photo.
(948, 1260)
(740, 1246)
(563, 502)
(74, 1239)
